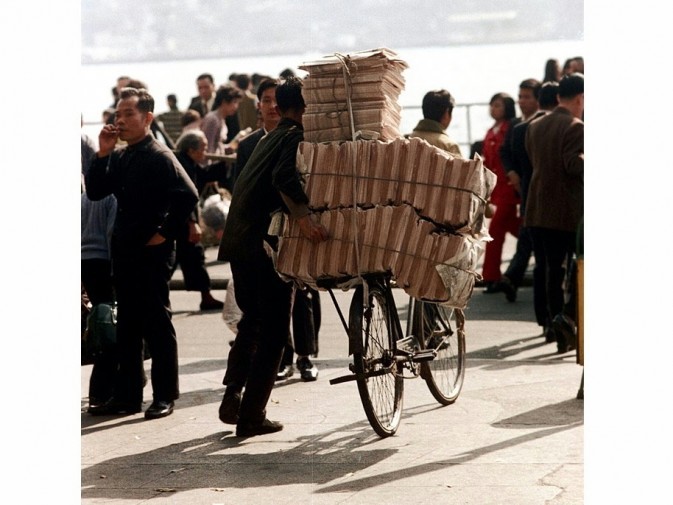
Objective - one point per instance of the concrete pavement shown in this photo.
(515, 436)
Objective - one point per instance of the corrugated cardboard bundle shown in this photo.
(449, 191)
(426, 262)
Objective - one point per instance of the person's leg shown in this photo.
(272, 313)
(540, 279)
(97, 280)
(493, 254)
(286, 367)
(158, 327)
(304, 333)
(192, 260)
(247, 335)
(303, 329)
(519, 263)
(557, 246)
(560, 246)
(317, 318)
(128, 389)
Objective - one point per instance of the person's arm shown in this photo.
(285, 177)
(99, 178)
(309, 228)
(111, 214)
(506, 152)
(209, 126)
(286, 180)
(182, 198)
(573, 149)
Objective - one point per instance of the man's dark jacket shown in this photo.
(270, 170)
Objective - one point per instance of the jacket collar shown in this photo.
(429, 125)
(143, 144)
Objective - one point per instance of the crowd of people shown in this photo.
(141, 210)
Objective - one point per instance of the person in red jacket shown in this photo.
(504, 197)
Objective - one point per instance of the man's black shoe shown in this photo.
(248, 429)
(159, 408)
(228, 412)
(492, 287)
(549, 334)
(307, 370)
(566, 336)
(211, 305)
(507, 287)
(114, 408)
(285, 372)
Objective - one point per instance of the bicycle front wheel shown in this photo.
(435, 328)
(380, 382)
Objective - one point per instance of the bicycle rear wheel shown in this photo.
(380, 381)
(435, 328)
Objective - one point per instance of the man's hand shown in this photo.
(107, 139)
(311, 230)
(156, 239)
(514, 180)
(194, 233)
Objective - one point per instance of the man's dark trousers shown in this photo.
(141, 278)
(265, 301)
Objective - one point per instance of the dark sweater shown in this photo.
(153, 191)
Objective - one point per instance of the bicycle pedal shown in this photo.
(407, 345)
(426, 355)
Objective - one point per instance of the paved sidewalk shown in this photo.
(514, 437)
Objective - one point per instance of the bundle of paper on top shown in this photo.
(369, 81)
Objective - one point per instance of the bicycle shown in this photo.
(433, 348)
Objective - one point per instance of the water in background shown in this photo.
(472, 74)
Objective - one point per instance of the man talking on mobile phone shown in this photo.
(155, 196)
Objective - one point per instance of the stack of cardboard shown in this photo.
(394, 205)
(369, 81)
(449, 191)
(426, 262)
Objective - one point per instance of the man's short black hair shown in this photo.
(548, 95)
(206, 76)
(436, 103)
(145, 100)
(531, 84)
(264, 85)
(571, 85)
(288, 94)
(242, 81)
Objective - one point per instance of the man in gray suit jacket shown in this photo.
(555, 204)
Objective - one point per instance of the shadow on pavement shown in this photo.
(220, 461)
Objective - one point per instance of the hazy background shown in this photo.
(159, 30)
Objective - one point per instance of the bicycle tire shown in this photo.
(381, 395)
(435, 328)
